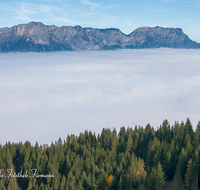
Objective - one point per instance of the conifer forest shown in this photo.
(139, 158)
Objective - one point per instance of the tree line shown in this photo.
(139, 158)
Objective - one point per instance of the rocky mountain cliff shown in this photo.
(37, 37)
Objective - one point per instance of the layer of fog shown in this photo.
(44, 96)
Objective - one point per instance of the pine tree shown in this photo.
(63, 183)
(56, 180)
(189, 176)
(120, 184)
(160, 177)
(177, 183)
(151, 179)
(141, 187)
(142, 172)
(129, 143)
(182, 164)
(168, 165)
(189, 129)
(79, 186)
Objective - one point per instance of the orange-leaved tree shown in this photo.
(109, 180)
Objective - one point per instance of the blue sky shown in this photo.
(126, 15)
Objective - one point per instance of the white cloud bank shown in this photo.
(45, 96)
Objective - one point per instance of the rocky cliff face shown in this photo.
(37, 37)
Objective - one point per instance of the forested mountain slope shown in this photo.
(139, 159)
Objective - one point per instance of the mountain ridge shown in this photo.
(38, 37)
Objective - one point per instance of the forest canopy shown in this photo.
(139, 158)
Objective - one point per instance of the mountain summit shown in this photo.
(38, 37)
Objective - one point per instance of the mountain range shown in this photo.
(38, 37)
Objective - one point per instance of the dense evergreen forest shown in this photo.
(138, 159)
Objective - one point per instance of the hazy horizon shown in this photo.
(45, 96)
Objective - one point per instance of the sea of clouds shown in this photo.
(44, 96)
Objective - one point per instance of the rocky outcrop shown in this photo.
(37, 37)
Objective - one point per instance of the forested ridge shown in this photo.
(139, 158)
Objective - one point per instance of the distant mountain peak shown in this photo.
(38, 37)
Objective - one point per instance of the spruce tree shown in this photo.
(160, 177)
(189, 176)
